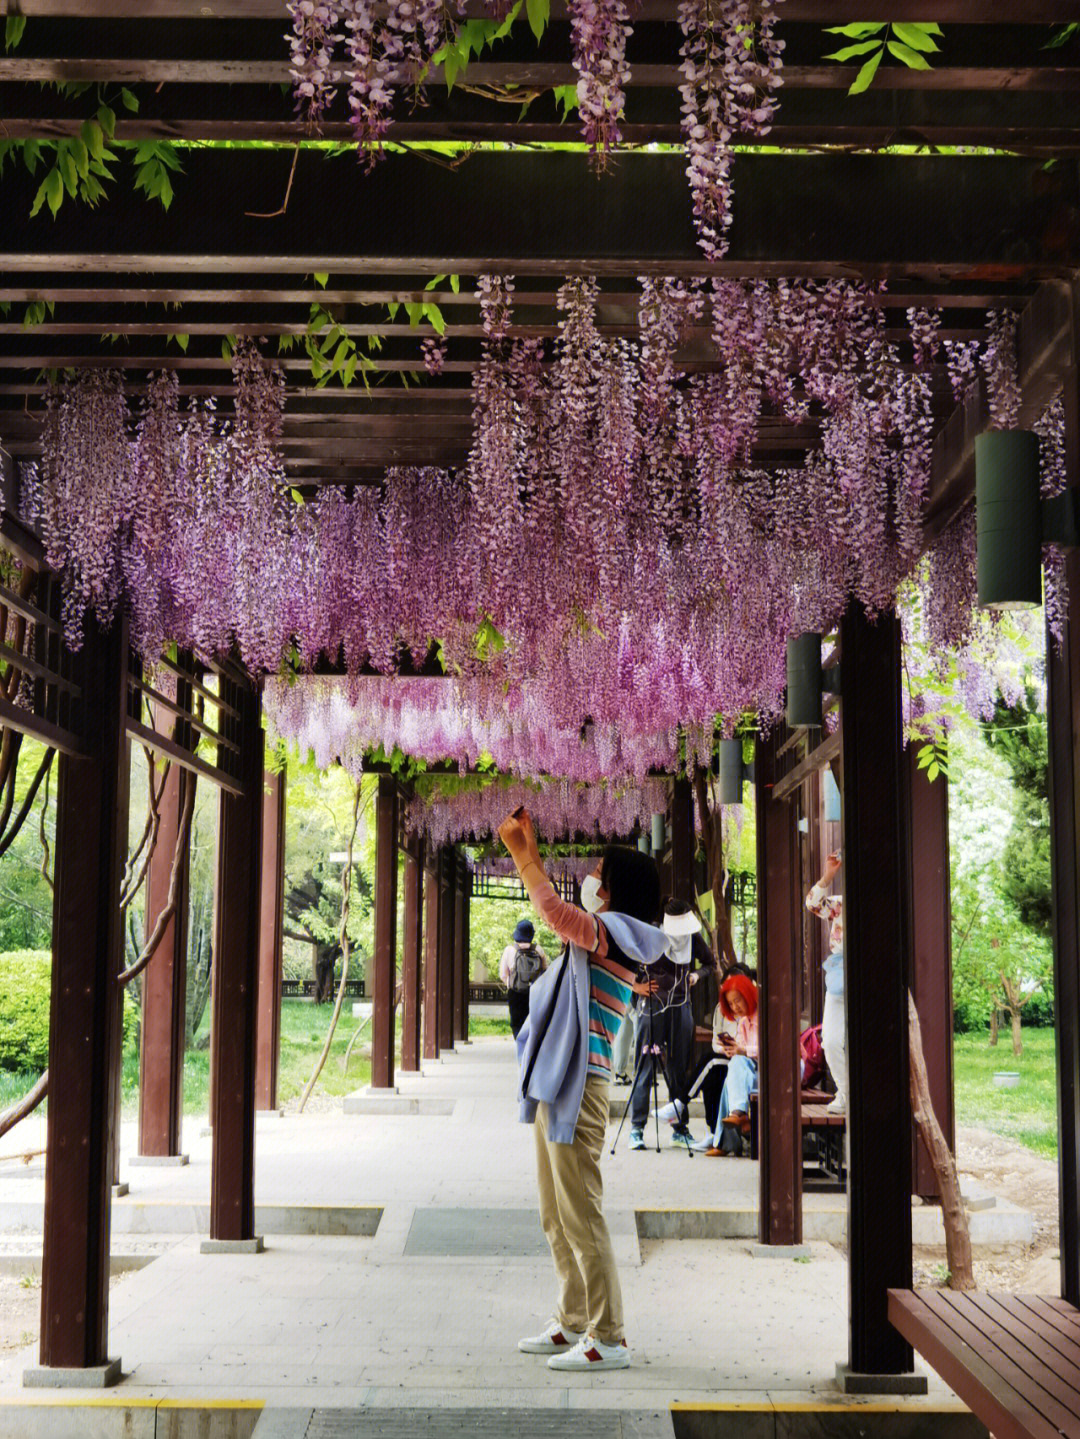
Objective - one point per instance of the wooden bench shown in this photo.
(815, 1119)
(1014, 1359)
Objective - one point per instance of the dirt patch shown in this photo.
(20, 1309)
(1015, 1174)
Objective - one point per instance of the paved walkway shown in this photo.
(428, 1310)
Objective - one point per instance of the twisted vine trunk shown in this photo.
(723, 944)
(953, 1213)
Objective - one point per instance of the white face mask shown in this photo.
(680, 948)
(590, 894)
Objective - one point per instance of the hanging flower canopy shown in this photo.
(608, 578)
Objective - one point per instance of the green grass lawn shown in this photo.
(1027, 1113)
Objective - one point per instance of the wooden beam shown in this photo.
(271, 936)
(780, 1176)
(430, 877)
(411, 963)
(817, 759)
(876, 946)
(85, 1018)
(384, 955)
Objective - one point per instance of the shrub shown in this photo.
(25, 980)
(25, 991)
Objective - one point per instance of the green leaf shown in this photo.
(226, 348)
(850, 51)
(415, 312)
(434, 282)
(452, 66)
(348, 374)
(129, 100)
(66, 163)
(182, 341)
(297, 497)
(916, 36)
(322, 279)
(53, 188)
(435, 317)
(539, 13)
(911, 58)
(455, 284)
(566, 97)
(13, 30)
(1063, 36)
(393, 308)
(865, 77)
(107, 121)
(857, 31)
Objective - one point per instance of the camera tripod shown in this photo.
(657, 1051)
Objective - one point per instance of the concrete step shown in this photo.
(455, 1423)
(189, 1216)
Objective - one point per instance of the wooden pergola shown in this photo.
(238, 251)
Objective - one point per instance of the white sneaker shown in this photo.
(838, 1106)
(673, 1112)
(556, 1339)
(589, 1354)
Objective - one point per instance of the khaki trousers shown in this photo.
(571, 1199)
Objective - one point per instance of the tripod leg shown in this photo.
(630, 1096)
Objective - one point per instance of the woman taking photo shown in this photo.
(564, 1049)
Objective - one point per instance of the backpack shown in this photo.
(813, 1056)
(528, 967)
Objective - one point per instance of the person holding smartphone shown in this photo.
(833, 1020)
(564, 1050)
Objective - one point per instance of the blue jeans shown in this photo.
(741, 1083)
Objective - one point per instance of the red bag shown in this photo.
(813, 1056)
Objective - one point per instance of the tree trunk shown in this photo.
(1018, 1043)
(994, 1020)
(709, 817)
(957, 1233)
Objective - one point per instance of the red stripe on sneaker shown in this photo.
(593, 1355)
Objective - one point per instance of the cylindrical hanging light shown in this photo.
(731, 771)
(804, 680)
(657, 832)
(1008, 517)
(643, 843)
(832, 798)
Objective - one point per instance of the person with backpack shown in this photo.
(521, 965)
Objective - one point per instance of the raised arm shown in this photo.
(568, 922)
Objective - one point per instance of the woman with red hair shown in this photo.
(738, 1001)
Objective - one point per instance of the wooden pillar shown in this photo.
(164, 985)
(384, 960)
(466, 943)
(236, 976)
(876, 919)
(431, 957)
(411, 968)
(445, 958)
(271, 938)
(461, 956)
(780, 1173)
(931, 955)
(683, 839)
(1063, 719)
(85, 1015)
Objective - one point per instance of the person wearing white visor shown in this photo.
(665, 1023)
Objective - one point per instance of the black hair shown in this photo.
(632, 882)
(674, 906)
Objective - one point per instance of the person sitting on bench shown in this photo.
(739, 1002)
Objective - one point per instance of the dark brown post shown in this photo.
(1063, 718)
(236, 978)
(466, 944)
(683, 839)
(780, 1145)
(384, 960)
(431, 956)
(461, 958)
(164, 987)
(876, 920)
(271, 937)
(84, 1019)
(411, 969)
(446, 947)
(931, 955)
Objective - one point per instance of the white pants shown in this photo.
(834, 1041)
(621, 1049)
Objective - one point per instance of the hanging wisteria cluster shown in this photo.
(607, 579)
(560, 810)
(731, 68)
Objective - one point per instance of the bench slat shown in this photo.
(1019, 1370)
(1064, 1344)
(1042, 1364)
(1058, 1312)
(974, 1377)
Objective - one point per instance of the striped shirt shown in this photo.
(609, 998)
